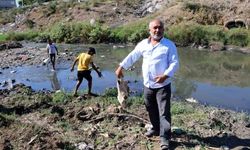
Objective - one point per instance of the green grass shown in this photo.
(183, 34)
(61, 97)
(3, 37)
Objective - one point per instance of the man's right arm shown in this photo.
(72, 68)
(128, 61)
(119, 72)
(47, 48)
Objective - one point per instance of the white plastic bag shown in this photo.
(46, 61)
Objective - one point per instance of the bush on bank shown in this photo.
(183, 34)
(186, 34)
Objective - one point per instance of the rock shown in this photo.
(216, 46)
(177, 130)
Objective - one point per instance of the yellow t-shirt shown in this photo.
(84, 60)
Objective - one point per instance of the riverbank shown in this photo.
(48, 120)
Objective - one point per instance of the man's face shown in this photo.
(91, 53)
(156, 30)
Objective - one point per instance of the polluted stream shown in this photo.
(209, 78)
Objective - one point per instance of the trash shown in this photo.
(123, 91)
(13, 71)
(177, 130)
(46, 61)
(191, 100)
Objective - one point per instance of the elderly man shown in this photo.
(160, 62)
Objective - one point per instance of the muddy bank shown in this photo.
(30, 54)
(48, 120)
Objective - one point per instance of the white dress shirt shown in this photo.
(159, 59)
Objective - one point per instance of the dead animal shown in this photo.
(123, 91)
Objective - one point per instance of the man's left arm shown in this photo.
(173, 65)
(56, 49)
(173, 62)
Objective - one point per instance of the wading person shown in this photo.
(84, 60)
(52, 51)
(160, 62)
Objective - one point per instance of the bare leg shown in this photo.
(89, 86)
(77, 87)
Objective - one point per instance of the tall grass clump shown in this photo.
(239, 37)
(189, 33)
(20, 36)
(216, 33)
(132, 33)
(186, 34)
(3, 37)
(61, 98)
(79, 32)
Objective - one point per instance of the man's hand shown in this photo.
(161, 78)
(72, 69)
(118, 72)
(99, 74)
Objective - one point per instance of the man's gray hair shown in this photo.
(158, 20)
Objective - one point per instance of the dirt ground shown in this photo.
(30, 54)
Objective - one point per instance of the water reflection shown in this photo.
(54, 81)
(183, 88)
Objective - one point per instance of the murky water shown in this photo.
(215, 78)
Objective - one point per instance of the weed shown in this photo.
(238, 37)
(3, 37)
(111, 92)
(61, 97)
(64, 125)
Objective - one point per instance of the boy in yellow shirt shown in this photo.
(84, 60)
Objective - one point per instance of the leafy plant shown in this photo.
(238, 37)
(3, 37)
(61, 97)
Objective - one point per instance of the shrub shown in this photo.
(61, 97)
(60, 32)
(181, 34)
(130, 32)
(99, 34)
(28, 35)
(238, 37)
(3, 37)
(111, 92)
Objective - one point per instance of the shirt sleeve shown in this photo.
(173, 61)
(132, 57)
